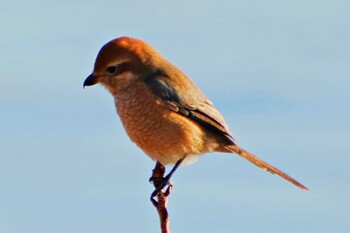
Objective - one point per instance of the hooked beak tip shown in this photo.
(90, 80)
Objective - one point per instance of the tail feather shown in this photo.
(262, 164)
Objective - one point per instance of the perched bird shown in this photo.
(161, 109)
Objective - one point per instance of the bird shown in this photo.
(161, 108)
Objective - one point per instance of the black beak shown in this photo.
(90, 80)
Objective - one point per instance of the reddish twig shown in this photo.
(162, 198)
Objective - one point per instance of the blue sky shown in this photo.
(277, 70)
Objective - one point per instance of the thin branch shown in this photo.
(162, 198)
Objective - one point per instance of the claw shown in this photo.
(154, 202)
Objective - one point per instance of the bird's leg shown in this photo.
(158, 179)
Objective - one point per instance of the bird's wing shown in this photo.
(181, 95)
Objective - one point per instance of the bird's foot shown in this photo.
(160, 181)
(160, 194)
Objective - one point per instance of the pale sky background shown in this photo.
(278, 71)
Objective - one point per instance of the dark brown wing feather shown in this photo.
(181, 95)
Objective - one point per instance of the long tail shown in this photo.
(262, 164)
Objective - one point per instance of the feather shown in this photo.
(188, 101)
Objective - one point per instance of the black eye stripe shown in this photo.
(119, 69)
(112, 69)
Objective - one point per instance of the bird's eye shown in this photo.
(112, 69)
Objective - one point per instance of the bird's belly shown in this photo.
(164, 135)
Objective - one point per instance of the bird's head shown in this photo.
(123, 61)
